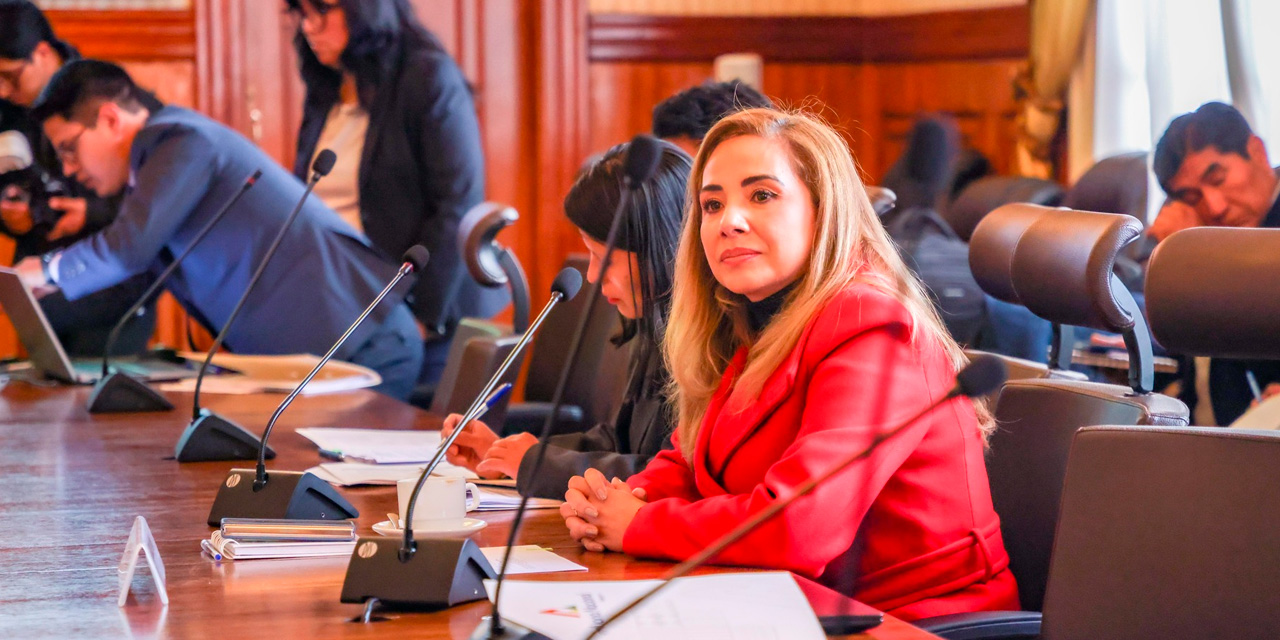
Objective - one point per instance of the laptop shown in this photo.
(50, 359)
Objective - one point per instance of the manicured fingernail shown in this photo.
(593, 532)
(602, 494)
(591, 511)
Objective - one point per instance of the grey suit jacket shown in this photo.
(622, 449)
(183, 168)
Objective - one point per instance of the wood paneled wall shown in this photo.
(789, 8)
(554, 84)
(870, 77)
(233, 60)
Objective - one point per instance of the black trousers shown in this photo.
(83, 325)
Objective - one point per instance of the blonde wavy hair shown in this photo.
(708, 323)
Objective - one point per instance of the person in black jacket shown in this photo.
(65, 212)
(384, 95)
(638, 283)
(1216, 173)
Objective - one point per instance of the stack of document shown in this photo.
(248, 538)
(497, 499)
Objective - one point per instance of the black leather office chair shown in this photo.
(882, 199)
(489, 262)
(599, 377)
(477, 349)
(1210, 292)
(1167, 533)
(992, 247)
(1118, 185)
(1061, 269)
(987, 194)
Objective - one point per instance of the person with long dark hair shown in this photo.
(638, 283)
(386, 97)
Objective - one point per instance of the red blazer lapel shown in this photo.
(730, 429)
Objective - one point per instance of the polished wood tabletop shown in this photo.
(72, 484)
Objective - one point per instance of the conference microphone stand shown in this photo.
(435, 573)
(639, 166)
(293, 495)
(117, 392)
(211, 436)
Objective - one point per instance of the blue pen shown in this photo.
(1253, 385)
(493, 399)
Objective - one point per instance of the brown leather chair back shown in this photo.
(1167, 533)
(472, 360)
(1114, 185)
(985, 195)
(599, 377)
(1215, 292)
(1058, 262)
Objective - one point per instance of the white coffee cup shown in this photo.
(442, 499)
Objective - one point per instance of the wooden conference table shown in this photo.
(71, 484)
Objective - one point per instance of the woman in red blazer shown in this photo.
(796, 335)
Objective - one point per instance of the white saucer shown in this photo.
(437, 529)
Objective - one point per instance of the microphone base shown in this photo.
(287, 495)
(213, 437)
(510, 631)
(441, 574)
(121, 393)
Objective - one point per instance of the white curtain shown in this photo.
(1156, 59)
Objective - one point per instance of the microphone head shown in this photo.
(984, 375)
(642, 159)
(417, 257)
(324, 162)
(567, 283)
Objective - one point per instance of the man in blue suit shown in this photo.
(176, 169)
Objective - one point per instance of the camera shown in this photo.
(22, 180)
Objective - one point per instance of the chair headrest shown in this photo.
(477, 233)
(882, 199)
(992, 246)
(1115, 185)
(985, 195)
(1056, 262)
(1207, 292)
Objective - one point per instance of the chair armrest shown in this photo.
(530, 416)
(984, 625)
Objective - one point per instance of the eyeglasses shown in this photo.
(317, 18)
(11, 77)
(69, 150)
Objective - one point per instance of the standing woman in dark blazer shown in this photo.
(638, 283)
(386, 97)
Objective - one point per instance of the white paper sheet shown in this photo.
(1265, 416)
(529, 558)
(375, 446)
(731, 606)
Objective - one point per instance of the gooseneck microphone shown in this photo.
(983, 375)
(211, 436)
(292, 495)
(393, 577)
(563, 289)
(117, 392)
(641, 162)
